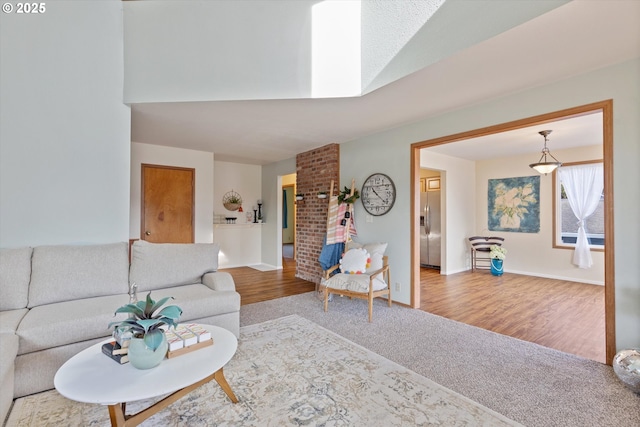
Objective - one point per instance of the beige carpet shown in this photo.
(291, 371)
(528, 383)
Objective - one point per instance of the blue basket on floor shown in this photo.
(496, 267)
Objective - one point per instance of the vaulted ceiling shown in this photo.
(422, 75)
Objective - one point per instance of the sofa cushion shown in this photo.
(10, 319)
(163, 265)
(219, 281)
(198, 301)
(8, 351)
(15, 273)
(65, 273)
(68, 322)
(354, 282)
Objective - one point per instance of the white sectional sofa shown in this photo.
(58, 300)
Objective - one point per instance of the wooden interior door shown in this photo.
(168, 201)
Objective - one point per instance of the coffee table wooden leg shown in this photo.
(117, 411)
(222, 381)
(116, 414)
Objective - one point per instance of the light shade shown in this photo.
(544, 166)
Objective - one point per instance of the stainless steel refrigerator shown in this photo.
(430, 229)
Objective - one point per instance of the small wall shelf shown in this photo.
(243, 225)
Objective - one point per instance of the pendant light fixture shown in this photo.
(543, 166)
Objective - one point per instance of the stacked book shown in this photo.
(182, 339)
(116, 352)
(187, 337)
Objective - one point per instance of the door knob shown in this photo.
(148, 233)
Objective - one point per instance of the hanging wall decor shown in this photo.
(232, 201)
(513, 204)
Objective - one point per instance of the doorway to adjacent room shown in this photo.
(288, 225)
(605, 108)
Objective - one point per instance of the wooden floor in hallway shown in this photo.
(566, 316)
(256, 286)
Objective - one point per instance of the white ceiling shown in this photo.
(579, 131)
(577, 37)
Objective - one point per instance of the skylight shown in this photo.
(336, 49)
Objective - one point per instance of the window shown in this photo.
(565, 224)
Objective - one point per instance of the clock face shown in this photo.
(378, 194)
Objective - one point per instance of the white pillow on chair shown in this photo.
(355, 261)
(376, 252)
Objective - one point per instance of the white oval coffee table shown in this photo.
(92, 377)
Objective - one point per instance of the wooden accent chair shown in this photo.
(364, 286)
(480, 248)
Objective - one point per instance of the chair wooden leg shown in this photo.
(370, 308)
(326, 299)
(389, 286)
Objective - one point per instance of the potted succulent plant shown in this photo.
(148, 344)
(234, 199)
(497, 255)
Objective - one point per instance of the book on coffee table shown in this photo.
(117, 349)
(109, 349)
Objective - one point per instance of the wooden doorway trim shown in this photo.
(174, 212)
(606, 107)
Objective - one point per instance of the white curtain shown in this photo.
(583, 185)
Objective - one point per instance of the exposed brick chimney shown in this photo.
(314, 171)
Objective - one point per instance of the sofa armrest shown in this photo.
(219, 281)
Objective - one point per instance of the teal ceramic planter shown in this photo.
(142, 357)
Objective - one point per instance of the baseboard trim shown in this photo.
(551, 276)
(264, 267)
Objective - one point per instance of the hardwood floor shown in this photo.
(566, 316)
(255, 286)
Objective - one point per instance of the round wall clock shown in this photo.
(378, 194)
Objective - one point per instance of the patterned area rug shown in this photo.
(290, 372)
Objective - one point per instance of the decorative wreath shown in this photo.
(232, 201)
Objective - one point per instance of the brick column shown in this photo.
(314, 171)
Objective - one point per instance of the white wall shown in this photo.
(391, 158)
(216, 50)
(619, 82)
(64, 132)
(389, 54)
(201, 161)
(242, 179)
(458, 201)
(547, 262)
(240, 243)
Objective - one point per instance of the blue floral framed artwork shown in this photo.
(514, 204)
